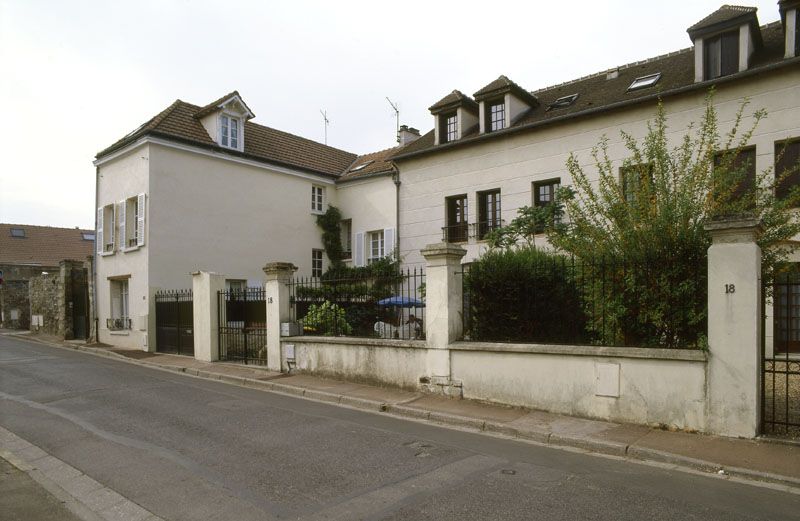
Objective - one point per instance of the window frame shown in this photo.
(793, 178)
(624, 170)
(554, 183)
(226, 137)
(495, 120)
(487, 223)
(750, 149)
(346, 237)
(317, 199)
(445, 122)
(456, 218)
(375, 237)
(316, 263)
(119, 316)
(726, 55)
(18, 233)
(109, 229)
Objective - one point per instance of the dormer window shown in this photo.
(496, 115)
(229, 131)
(721, 55)
(450, 126)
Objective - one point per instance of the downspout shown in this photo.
(396, 179)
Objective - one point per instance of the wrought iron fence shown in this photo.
(118, 324)
(780, 359)
(243, 325)
(455, 233)
(377, 306)
(175, 321)
(563, 300)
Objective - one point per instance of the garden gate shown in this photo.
(175, 322)
(243, 325)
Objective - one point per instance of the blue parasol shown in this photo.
(402, 302)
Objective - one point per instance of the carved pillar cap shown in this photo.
(734, 229)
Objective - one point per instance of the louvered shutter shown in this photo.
(112, 228)
(123, 243)
(140, 220)
(359, 257)
(388, 242)
(98, 238)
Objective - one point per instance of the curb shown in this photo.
(591, 445)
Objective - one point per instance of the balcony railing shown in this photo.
(118, 324)
(455, 233)
(482, 229)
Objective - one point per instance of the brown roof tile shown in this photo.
(43, 245)
(214, 105)
(724, 14)
(502, 85)
(369, 165)
(453, 100)
(599, 93)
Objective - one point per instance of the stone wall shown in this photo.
(46, 298)
(14, 301)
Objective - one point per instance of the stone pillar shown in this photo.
(278, 276)
(205, 316)
(443, 301)
(92, 331)
(734, 328)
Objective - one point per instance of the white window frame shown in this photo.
(225, 139)
(375, 238)
(347, 238)
(316, 263)
(317, 199)
(107, 229)
(120, 288)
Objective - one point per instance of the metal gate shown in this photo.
(80, 304)
(243, 325)
(174, 322)
(780, 358)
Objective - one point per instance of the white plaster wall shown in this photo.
(117, 180)
(381, 362)
(513, 163)
(211, 214)
(652, 390)
(371, 204)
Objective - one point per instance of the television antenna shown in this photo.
(397, 116)
(326, 123)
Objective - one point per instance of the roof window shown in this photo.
(87, 236)
(18, 232)
(563, 101)
(361, 166)
(642, 82)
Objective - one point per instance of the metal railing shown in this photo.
(118, 324)
(481, 229)
(390, 305)
(455, 233)
(242, 325)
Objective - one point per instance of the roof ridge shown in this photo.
(300, 137)
(47, 226)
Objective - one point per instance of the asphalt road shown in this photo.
(190, 449)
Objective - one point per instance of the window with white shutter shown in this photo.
(140, 215)
(99, 236)
(123, 232)
(359, 254)
(388, 241)
(106, 229)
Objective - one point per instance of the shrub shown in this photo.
(327, 319)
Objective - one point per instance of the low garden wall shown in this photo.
(635, 385)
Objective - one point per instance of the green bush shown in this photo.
(523, 294)
(327, 319)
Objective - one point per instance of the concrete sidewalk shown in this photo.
(762, 460)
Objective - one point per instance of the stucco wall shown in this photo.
(382, 362)
(371, 204)
(117, 180)
(656, 386)
(512, 163)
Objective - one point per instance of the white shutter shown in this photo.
(388, 242)
(359, 257)
(140, 220)
(98, 237)
(113, 228)
(123, 240)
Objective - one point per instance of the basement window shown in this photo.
(642, 82)
(18, 232)
(564, 101)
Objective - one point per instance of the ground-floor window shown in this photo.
(375, 245)
(316, 263)
(120, 317)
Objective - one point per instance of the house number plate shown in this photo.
(730, 288)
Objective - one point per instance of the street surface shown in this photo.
(191, 449)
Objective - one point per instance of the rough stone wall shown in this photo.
(14, 299)
(46, 297)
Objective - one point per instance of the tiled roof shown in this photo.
(726, 13)
(503, 85)
(453, 100)
(179, 122)
(603, 92)
(214, 105)
(370, 165)
(43, 245)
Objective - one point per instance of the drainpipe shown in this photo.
(396, 179)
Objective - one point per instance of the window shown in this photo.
(18, 233)
(488, 212)
(786, 309)
(496, 116)
(448, 128)
(235, 285)
(631, 178)
(742, 181)
(105, 229)
(87, 236)
(455, 229)
(375, 245)
(131, 222)
(721, 55)
(347, 238)
(787, 167)
(362, 166)
(642, 82)
(317, 198)
(316, 263)
(229, 131)
(544, 195)
(120, 318)
(564, 101)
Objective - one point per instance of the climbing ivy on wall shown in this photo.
(331, 224)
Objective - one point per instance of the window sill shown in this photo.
(106, 253)
(125, 332)
(130, 249)
(317, 212)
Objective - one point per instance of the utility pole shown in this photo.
(397, 116)
(326, 122)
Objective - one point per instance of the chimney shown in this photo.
(407, 134)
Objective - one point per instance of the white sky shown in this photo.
(75, 76)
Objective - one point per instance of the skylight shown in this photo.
(564, 101)
(361, 167)
(642, 82)
(17, 232)
(87, 236)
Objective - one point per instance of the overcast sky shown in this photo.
(75, 76)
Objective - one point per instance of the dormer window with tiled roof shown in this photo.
(501, 103)
(224, 120)
(496, 115)
(449, 123)
(454, 116)
(721, 55)
(724, 41)
(229, 131)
